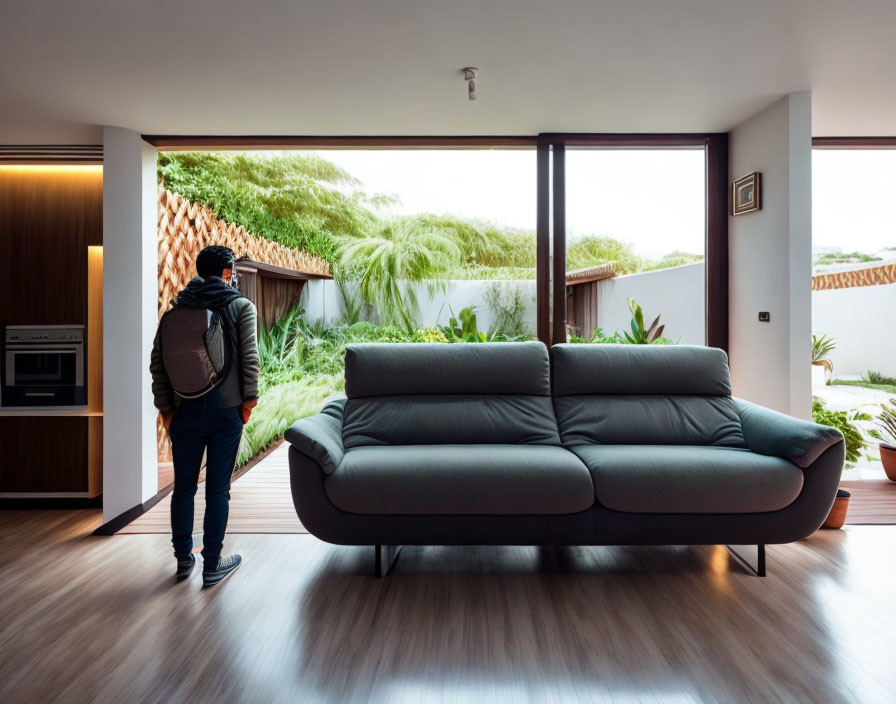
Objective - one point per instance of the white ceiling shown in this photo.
(391, 67)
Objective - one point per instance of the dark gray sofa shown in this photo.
(502, 444)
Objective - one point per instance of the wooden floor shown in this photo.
(260, 502)
(873, 501)
(100, 619)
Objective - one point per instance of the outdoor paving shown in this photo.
(848, 398)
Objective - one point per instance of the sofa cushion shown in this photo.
(644, 394)
(650, 420)
(461, 479)
(639, 369)
(447, 418)
(391, 369)
(687, 479)
(430, 394)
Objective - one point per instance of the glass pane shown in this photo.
(423, 245)
(853, 296)
(640, 215)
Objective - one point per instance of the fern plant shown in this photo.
(885, 432)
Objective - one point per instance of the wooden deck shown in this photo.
(260, 502)
(873, 502)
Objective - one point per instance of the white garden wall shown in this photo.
(323, 301)
(860, 320)
(678, 294)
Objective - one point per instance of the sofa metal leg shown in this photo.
(385, 557)
(753, 562)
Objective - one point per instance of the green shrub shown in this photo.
(844, 421)
(871, 377)
(280, 407)
(505, 302)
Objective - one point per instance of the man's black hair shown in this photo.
(213, 260)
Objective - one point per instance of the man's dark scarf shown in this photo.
(212, 293)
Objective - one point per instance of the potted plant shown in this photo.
(837, 517)
(885, 434)
(822, 346)
(843, 421)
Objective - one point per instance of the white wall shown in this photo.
(323, 301)
(130, 291)
(678, 294)
(770, 259)
(859, 320)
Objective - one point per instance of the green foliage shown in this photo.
(641, 335)
(873, 377)
(505, 302)
(464, 327)
(672, 259)
(844, 421)
(845, 258)
(822, 346)
(889, 388)
(398, 252)
(299, 200)
(886, 425)
(593, 250)
(280, 407)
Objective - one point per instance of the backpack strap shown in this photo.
(230, 326)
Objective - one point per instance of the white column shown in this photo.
(130, 292)
(770, 255)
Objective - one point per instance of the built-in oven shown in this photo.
(44, 366)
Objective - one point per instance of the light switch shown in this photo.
(764, 316)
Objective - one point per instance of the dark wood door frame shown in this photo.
(716, 243)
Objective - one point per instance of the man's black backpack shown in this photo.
(195, 349)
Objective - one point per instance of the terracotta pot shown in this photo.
(837, 517)
(888, 460)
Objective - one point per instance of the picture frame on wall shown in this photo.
(746, 194)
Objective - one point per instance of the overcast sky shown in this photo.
(650, 198)
(853, 193)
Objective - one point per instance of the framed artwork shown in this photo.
(746, 194)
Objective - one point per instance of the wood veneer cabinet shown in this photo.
(44, 454)
(51, 234)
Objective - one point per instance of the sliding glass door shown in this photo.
(632, 224)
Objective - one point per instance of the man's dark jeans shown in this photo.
(199, 424)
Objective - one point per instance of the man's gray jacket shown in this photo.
(245, 360)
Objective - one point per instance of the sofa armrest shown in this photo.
(320, 437)
(768, 432)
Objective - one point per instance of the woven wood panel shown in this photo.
(185, 228)
(868, 276)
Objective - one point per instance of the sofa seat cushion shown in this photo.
(461, 479)
(689, 479)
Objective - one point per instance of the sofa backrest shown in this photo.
(427, 394)
(644, 394)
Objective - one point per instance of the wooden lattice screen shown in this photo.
(185, 228)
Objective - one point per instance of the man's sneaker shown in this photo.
(185, 566)
(214, 573)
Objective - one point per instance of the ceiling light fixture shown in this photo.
(470, 75)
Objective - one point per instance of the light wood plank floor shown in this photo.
(260, 502)
(873, 501)
(99, 619)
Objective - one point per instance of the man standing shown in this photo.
(210, 420)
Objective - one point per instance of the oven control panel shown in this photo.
(44, 333)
